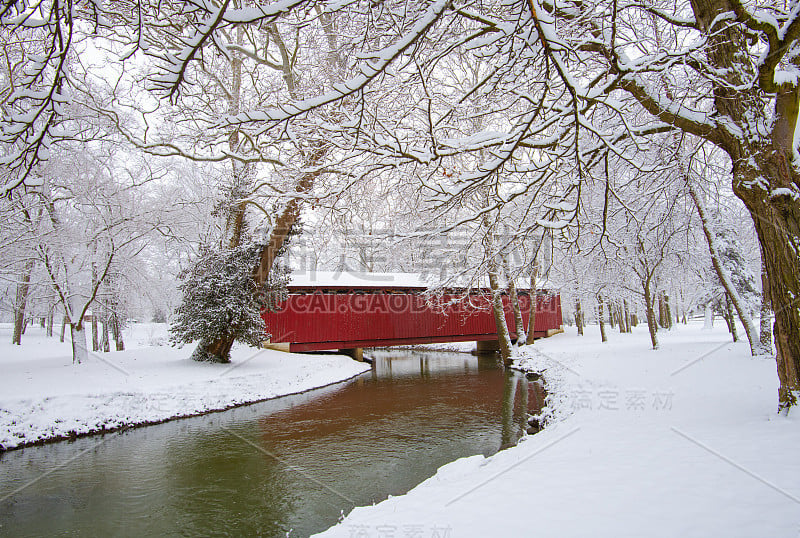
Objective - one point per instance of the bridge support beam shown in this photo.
(487, 347)
(355, 352)
(277, 346)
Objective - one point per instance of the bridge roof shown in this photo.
(363, 280)
(357, 279)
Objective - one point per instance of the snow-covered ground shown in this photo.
(683, 441)
(44, 396)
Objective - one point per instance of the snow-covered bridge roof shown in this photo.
(361, 279)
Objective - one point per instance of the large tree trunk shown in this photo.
(218, 351)
(20, 304)
(779, 235)
(579, 316)
(765, 177)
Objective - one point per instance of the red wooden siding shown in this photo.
(346, 318)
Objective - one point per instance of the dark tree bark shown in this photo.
(95, 340)
(600, 319)
(765, 329)
(117, 330)
(579, 316)
(628, 317)
(667, 312)
(104, 337)
(764, 176)
(730, 318)
(499, 315)
(50, 316)
(650, 312)
(21, 303)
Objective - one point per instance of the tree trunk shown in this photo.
(724, 278)
(629, 320)
(579, 316)
(50, 316)
(104, 339)
(499, 315)
(612, 313)
(776, 232)
(280, 232)
(217, 351)
(80, 353)
(534, 303)
(651, 315)
(519, 325)
(63, 327)
(667, 312)
(600, 319)
(731, 319)
(708, 317)
(20, 304)
(765, 336)
(117, 330)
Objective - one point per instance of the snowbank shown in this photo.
(683, 441)
(43, 396)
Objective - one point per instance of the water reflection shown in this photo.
(288, 465)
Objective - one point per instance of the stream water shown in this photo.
(290, 465)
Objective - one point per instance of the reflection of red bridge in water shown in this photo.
(317, 317)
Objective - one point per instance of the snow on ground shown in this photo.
(682, 441)
(44, 396)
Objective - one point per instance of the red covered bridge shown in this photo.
(388, 310)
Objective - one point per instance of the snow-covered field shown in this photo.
(683, 441)
(44, 396)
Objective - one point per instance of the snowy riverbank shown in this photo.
(43, 396)
(683, 441)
